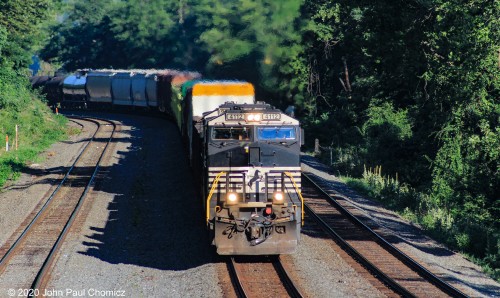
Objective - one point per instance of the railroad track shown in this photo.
(261, 277)
(27, 256)
(398, 271)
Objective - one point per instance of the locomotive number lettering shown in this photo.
(234, 116)
(273, 116)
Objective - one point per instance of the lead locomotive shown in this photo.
(247, 156)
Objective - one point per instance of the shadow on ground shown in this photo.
(155, 216)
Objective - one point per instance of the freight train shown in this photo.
(108, 88)
(245, 154)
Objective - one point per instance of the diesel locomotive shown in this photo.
(245, 154)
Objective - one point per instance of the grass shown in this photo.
(38, 129)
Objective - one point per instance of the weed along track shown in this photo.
(27, 257)
(395, 269)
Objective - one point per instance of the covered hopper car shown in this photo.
(108, 88)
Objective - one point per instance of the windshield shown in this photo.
(231, 133)
(276, 133)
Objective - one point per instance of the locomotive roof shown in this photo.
(231, 106)
(220, 116)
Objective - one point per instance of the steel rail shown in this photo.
(407, 260)
(241, 290)
(359, 257)
(50, 258)
(292, 289)
(6, 256)
(238, 286)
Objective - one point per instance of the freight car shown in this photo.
(246, 157)
(108, 88)
(74, 94)
(51, 86)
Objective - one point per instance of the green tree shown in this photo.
(217, 37)
(83, 39)
(260, 36)
(414, 87)
(22, 20)
(465, 70)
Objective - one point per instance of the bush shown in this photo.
(469, 234)
(38, 127)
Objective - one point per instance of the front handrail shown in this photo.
(298, 192)
(210, 194)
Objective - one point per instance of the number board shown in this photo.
(241, 116)
(271, 116)
(235, 116)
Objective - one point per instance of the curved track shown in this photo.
(394, 268)
(27, 258)
(261, 277)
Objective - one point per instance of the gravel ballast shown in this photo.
(141, 231)
(19, 199)
(140, 234)
(450, 266)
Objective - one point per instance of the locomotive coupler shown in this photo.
(258, 232)
(256, 229)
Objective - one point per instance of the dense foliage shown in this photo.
(20, 22)
(411, 87)
(414, 87)
(243, 39)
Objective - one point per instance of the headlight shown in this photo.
(278, 198)
(253, 117)
(232, 198)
